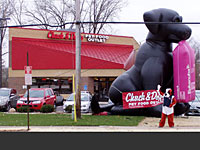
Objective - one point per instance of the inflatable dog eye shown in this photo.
(153, 65)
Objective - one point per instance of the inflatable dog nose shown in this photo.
(187, 34)
(179, 32)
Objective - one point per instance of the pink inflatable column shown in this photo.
(184, 72)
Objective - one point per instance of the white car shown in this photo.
(195, 105)
(86, 98)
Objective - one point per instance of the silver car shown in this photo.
(86, 98)
(195, 105)
(8, 98)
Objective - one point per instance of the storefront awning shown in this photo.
(60, 54)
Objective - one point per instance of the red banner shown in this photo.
(141, 99)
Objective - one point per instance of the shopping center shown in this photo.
(52, 55)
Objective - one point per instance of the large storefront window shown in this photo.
(60, 85)
(101, 87)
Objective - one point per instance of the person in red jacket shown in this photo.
(168, 107)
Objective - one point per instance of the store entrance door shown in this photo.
(101, 87)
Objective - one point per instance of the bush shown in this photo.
(47, 108)
(23, 109)
(68, 109)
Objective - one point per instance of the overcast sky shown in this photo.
(188, 9)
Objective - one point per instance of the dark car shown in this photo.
(59, 99)
(8, 98)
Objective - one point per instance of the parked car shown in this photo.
(195, 105)
(37, 98)
(59, 99)
(86, 98)
(110, 102)
(8, 98)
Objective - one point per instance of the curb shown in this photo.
(96, 129)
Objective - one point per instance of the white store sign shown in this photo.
(96, 38)
(28, 75)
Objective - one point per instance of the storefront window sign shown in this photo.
(62, 35)
(85, 87)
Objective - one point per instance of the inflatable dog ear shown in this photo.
(152, 16)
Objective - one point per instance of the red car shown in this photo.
(37, 98)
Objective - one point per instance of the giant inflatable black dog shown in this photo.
(153, 65)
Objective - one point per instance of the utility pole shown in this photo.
(78, 61)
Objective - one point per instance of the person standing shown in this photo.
(167, 107)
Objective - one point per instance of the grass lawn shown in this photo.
(40, 119)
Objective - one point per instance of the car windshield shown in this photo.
(197, 98)
(4, 93)
(84, 97)
(35, 93)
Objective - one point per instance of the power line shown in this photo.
(136, 22)
(100, 22)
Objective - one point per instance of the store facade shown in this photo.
(52, 57)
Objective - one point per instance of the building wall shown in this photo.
(17, 83)
(16, 77)
(89, 82)
(42, 34)
(68, 73)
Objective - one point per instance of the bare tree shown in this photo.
(5, 12)
(4, 74)
(51, 12)
(18, 12)
(37, 13)
(196, 46)
(58, 12)
(100, 11)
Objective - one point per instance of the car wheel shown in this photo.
(89, 110)
(54, 105)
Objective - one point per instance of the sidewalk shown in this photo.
(95, 129)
